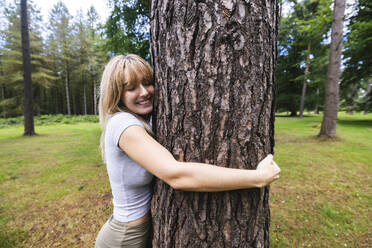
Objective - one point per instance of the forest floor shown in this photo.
(54, 190)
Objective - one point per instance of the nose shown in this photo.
(143, 90)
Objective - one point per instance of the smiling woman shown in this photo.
(133, 156)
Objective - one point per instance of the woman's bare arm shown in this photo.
(148, 153)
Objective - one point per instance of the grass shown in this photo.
(323, 198)
(54, 189)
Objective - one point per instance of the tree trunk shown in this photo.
(328, 128)
(27, 81)
(67, 88)
(95, 97)
(305, 83)
(3, 98)
(316, 110)
(368, 97)
(84, 100)
(214, 66)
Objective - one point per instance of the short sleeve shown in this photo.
(118, 123)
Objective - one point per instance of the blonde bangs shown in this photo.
(137, 71)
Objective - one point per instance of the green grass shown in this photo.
(54, 190)
(323, 198)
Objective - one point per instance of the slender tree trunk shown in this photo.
(3, 98)
(95, 97)
(316, 110)
(27, 81)
(328, 128)
(305, 81)
(214, 65)
(84, 100)
(67, 88)
(368, 96)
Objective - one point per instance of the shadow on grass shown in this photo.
(356, 123)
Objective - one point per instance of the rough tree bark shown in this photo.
(27, 81)
(328, 128)
(302, 104)
(214, 69)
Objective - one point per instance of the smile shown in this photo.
(144, 102)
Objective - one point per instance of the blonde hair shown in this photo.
(120, 71)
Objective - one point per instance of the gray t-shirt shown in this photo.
(130, 182)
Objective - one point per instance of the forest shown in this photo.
(68, 54)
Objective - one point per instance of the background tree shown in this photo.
(214, 65)
(28, 103)
(83, 47)
(357, 74)
(11, 61)
(60, 26)
(97, 54)
(301, 45)
(328, 128)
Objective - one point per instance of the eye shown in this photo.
(146, 83)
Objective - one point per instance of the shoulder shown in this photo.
(118, 123)
(123, 119)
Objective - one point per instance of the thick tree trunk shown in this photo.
(214, 67)
(27, 81)
(328, 128)
(305, 81)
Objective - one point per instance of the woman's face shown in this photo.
(138, 98)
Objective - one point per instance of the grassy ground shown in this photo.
(54, 190)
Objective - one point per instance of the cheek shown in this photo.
(126, 99)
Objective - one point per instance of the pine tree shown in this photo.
(61, 30)
(328, 128)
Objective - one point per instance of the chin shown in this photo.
(145, 112)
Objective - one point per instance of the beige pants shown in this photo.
(115, 234)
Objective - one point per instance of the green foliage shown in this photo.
(357, 75)
(11, 69)
(127, 28)
(71, 52)
(306, 26)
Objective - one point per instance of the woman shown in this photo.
(125, 107)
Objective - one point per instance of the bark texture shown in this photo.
(27, 81)
(214, 69)
(328, 128)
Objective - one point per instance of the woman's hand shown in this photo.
(270, 170)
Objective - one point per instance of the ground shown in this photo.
(55, 192)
